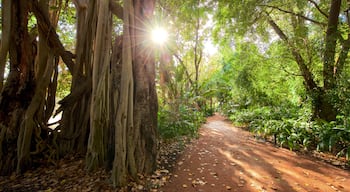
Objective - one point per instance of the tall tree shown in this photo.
(297, 29)
(187, 46)
(136, 123)
(115, 84)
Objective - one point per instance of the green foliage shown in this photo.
(334, 136)
(66, 27)
(290, 127)
(251, 114)
(186, 97)
(184, 122)
(342, 95)
(260, 83)
(64, 83)
(250, 76)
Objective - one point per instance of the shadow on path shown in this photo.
(226, 158)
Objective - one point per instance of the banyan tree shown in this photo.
(110, 114)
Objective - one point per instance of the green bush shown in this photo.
(334, 136)
(289, 129)
(185, 121)
(264, 113)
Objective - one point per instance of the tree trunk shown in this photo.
(34, 127)
(145, 102)
(322, 106)
(326, 109)
(330, 46)
(136, 123)
(100, 102)
(124, 113)
(115, 89)
(75, 123)
(18, 91)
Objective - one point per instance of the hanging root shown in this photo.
(45, 144)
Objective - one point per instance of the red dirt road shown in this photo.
(226, 158)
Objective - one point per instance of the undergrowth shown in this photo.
(185, 121)
(292, 128)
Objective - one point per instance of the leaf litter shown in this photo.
(70, 174)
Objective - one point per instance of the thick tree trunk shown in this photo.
(100, 101)
(18, 90)
(322, 107)
(326, 109)
(136, 123)
(145, 102)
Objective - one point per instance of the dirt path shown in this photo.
(225, 158)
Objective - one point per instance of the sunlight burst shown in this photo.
(159, 35)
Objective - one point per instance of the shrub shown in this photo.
(185, 121)
(291, 130)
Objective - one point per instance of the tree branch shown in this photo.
(52, 39)
(290, 73)
(318, 8)
(184, 66)
(339, 66)
(295, 14)
(305, 72)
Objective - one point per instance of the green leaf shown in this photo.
(331, 143)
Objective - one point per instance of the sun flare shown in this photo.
(159, 35)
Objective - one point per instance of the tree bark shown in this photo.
(145, 102)
(100, 101)
(330, 46)
(115, 89)
(326, 108)
(124, 114)
(136, 123)
(75, 123)
(18, 90)
(34, 127)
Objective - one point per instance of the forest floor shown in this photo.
(223, 158)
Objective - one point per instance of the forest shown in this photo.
(110, 80)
